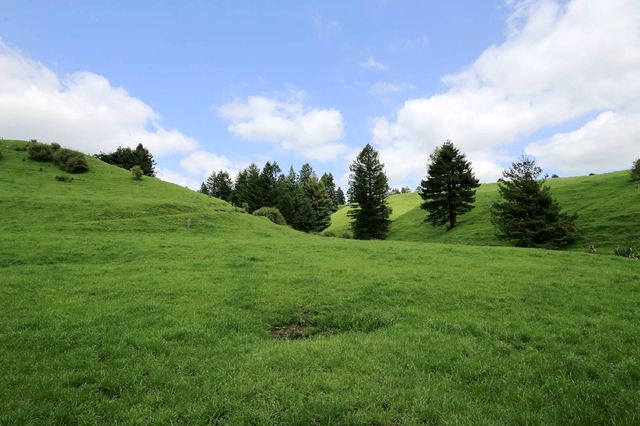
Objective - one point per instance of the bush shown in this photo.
(55, 146)
(76, 164)
(635, 170)
(39, 151)
(271, 213)
(20, 148)
(630, 252)
(70, 161)
(347, 235)
(329, 234)
(137, 172)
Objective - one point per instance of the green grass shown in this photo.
(608, 208)
(113, 311)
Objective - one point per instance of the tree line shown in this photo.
(526, 215)
(305, 201)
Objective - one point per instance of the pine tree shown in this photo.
(528, 215)
(204, 189)
(449, 190)
(219, 185)
(268, 180)
(368, 186)
(145, 160)
(340, 197)
(329, 184)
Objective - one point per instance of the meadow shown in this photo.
(112, 310)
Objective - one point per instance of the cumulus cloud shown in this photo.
(559, 62)
(608, 142)
(311, 132)
(371, 63)
(80, 110)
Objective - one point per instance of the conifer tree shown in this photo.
(450, 187)
(329, 184)
(368, 186)
(527, 214)
(204, 189)
(219, 185)
(340, 197)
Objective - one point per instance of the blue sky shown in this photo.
(219, 85)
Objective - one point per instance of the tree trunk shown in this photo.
(452, 221)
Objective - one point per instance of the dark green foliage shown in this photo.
(127, 158)
(267, 184)
(76, 164)
(527, 215)
(449, 189)
(39, 151)
(70, 161)
(630, 252)
(272, 213)
(368, 186)
(219, 185)
(136, 172)
(204, 189)
(55, 146)
(64, 179)
(554, 176)
(340, 197)
(329, 184)
(635, 170)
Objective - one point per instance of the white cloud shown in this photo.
(608, 142)
(559, 63)
(81, 110)
(311, 132)
(325, 27)
(205, 162)
(178, 178)
(383, 88)
(371, 63)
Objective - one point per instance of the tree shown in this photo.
(329, 184)
(635, 170)
(449, 189)
(528, 215)
(219, 185)
(368, 185)
(127, 158)
(268, 180)
(136, 172)
(204, 189)
(340, 197)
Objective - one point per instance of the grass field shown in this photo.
(608, 208)
(113, 311)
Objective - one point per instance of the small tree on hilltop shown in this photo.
(635, 170)
(528, 215)
(450, 186)
(368, 186)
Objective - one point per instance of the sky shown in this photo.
(210, 86)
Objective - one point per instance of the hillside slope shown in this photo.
(608, 208)
(113, 311)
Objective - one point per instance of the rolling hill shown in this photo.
(608, 210)
(112, 310)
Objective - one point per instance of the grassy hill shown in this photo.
(113, 311)
(608, 208)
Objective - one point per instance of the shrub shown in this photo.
(137, 172)
(635, 170)
(77, 164)
(20, 148)
(39, 151)
(328, 234)
(70, 161)
(271, 213)
(554, 176)
(630, 252)
(55, 146)
(347, 235)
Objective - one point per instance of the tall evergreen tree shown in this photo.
(368, 186)
(204, 189)
(321, 204)
(145, 160)
(340, 197)
(219, 185)
(268, 180)
(449, 190)
(329, 184)
(527, 214)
